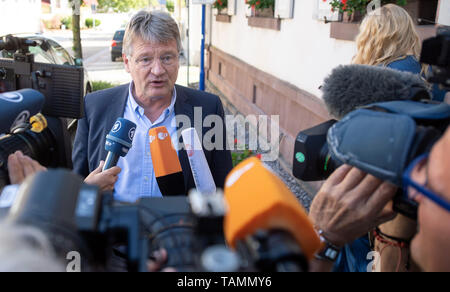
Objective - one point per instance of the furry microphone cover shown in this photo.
(349, 87)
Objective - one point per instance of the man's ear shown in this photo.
(126, 62)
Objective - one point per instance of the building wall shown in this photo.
(302, 53)
(444, 12)
(272, 72)
(20, 16)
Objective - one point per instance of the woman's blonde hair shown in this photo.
(386, 35)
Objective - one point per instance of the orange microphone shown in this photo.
(258, 200)
(166, 164)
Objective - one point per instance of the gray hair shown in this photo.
(154, 26)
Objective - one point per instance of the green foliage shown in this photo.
(100, 85)
(350, 6)
(220, 4)
(239, 155)
(170, 6)
(122, 5)
(89, 22)
(67, 21)
(261, 4)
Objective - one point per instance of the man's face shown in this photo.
(154, 68)
(431, 246)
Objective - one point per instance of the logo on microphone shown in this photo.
(189, 150)
(12, 97)
(131, 133)
(162, 136)
(116, 127)
(21, 119)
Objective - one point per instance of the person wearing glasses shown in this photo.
(151, 52)
(351, 203)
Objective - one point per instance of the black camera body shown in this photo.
(78, 217)
(314, 159)
(436, 52)
(62, 87)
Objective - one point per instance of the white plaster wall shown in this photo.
(444, 12)
(302, 53)
(20, 16)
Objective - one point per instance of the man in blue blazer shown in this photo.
(151, 55)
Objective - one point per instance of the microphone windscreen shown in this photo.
(18, 106)
(258, 199)
(166, 164)
(200, 169)
(352, 86)
(120, 138)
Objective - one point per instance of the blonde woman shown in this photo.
(388, 38)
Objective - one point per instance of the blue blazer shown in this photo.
(102, 108)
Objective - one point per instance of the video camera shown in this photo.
(78, 217)
(62, 89)
(315, 158)
(436, 52)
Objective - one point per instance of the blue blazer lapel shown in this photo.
(182, 107)
(114, 110)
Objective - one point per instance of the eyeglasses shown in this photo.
(408, 182)
(166, 60)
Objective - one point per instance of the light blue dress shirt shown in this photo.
(137, 178)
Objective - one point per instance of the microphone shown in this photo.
(118, 141)
(258, 200)
(16, 107)
(351, 86)
(166, 164)
(200, 169)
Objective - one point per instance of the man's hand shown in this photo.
(351, 203)
(159, 258)
(104, 180)
(20, 167)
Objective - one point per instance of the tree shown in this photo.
(122, 5)
(76, 28)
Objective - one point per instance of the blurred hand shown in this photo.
(159, 258)
(104, 180)
(20, 167)
(350, 204)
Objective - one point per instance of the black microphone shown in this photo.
(119, 141)
(17, 107)
(352, 86)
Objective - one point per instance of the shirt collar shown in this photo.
(140, 110)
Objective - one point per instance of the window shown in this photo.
(62, 57)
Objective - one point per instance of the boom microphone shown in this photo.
(166, 164)
(17, 107)
(200, 169)
(119, 141)
(258, 200)
(352, 86)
